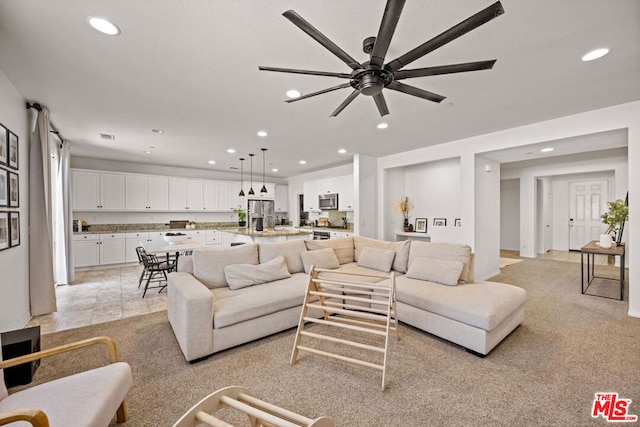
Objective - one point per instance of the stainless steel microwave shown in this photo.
(328, 201)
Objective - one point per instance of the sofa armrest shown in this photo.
(33, 416)
(190, 312)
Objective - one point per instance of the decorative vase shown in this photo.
(406, 224)
(605, 241)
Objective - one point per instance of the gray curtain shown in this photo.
(42, 293)
(64, 219)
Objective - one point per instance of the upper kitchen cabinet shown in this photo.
(185, 194)
(345, 193)
(228, 198)
(310, 192)
(146, 193)
(281, 198)
(93, 190)
(327, 186)
(210, 194)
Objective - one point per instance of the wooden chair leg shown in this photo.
(122, 415)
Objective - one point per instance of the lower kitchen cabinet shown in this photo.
(132, 241)
(99, 249)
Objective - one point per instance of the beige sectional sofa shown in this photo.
(220, 298)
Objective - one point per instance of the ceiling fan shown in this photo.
(371, 77)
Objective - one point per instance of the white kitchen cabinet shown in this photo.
(132, 241)
(212, 238)
(327, 186)
(86, 250)
(146, 193)
(210, 194)
(281, 198)
(310, 192)
(339, 234)
(112, 248)
(196, 236)
(185, 194)
(93, 190)
(345, 193)
(227, 238)
(228, 198)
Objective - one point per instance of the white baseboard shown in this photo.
(633, 313)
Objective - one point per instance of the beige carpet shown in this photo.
(505, 262)
(545, 373)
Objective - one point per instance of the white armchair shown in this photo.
(88, 398)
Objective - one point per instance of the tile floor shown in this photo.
(104, 295)
(100, 296)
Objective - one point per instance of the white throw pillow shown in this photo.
(435, 270)
(377, 259)
(343, 247)
(321, 258)
(242, 275)
(290, 250)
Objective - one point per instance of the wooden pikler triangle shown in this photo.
(355, 313)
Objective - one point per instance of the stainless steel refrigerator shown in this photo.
(261, 209)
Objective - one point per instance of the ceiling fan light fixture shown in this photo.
(293, 93)
(595, 54)
(104, 26)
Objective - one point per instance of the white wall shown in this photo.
(365, 185)
(624, 116)
(510, 214)
(14, 262)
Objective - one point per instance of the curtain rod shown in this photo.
(53, 130)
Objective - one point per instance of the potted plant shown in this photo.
(242, 216)
(614, 219)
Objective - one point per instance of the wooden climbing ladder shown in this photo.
(350, 306)
(260, 413)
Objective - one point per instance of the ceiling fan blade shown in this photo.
(320, 92)
(387, 27)
(346, 102)
(300, 22)
(444, 69)
(412, 90)
(381, 104)
(313, 73)
(451, 34)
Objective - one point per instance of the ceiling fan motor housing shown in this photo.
(371, 81)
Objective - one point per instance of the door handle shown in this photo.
(570, 222)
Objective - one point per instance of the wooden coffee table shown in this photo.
(592, 249)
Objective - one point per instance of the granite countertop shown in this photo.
(329, 229)
(226, 227)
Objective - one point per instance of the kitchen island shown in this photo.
(246, 235)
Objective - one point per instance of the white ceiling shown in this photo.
(191, 69)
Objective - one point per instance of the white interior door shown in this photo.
(587, 202)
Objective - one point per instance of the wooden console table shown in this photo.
(592, 249)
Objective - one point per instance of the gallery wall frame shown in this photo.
(457, 222)
(14, 190)
(421, 225)
(4, 188)
(14, 229)
(13, 150)
(4, 145)
(4, 230)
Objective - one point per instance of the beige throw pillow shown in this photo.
(209, 264)
(343, 247)
(446, 252)
(291, 251)
(435, 270)
(401, 249)
(242, 275)
(377, 259)
(321, 258)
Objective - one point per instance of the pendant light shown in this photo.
(241, 194)
(251, 193)
(263, 190)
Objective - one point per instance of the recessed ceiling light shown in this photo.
(546, 150)
(157, 131)
(231, 151)
(342, 151)
(104, 26)
(382, 125)
(303, 162)
(212, 162)
(274, 170)
(262, 133)
(293, 93)
(595, 54)
(147, 152)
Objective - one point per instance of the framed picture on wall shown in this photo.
(14, 229)
(4, 188)
(457, 222)
(14, 190)
(4, 230)
(421, 225)
(4, 146)
(439, 222)
(13, 150)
